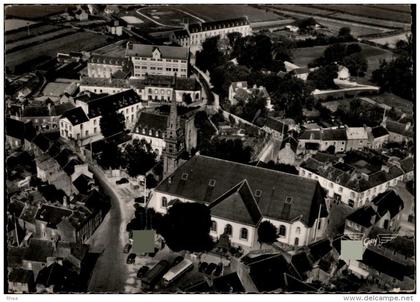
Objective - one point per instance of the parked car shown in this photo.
(131, 258)
(142, 271)
(202, 267)
(210, 268)
(127, 248)
(218, 270)
(177, 260)
(122, 181)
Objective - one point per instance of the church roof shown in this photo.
(279, 195)
(238, 205)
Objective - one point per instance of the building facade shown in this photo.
(158, 60)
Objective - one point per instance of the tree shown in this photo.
(306, 25)
(356, 63)
(396, 76)
(233, 37)
(252, 108)
(267, 233)
(231, 149)
(344, 31)
(210, 56)
(353, 48)
(111, 122)
(139, 158)
(151, 181)
(323, 77)
(186, 226)
(111, 156)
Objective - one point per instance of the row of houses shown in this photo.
(151, 87)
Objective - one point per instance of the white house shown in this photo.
(240, 196)
(82, 122)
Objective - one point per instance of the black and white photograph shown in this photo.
(209, 148)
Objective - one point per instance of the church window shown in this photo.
(164, 202)
(282, 230)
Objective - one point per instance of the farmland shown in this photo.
(14, 24)
(80, 41)
(369, 11)
(33, 12)
(13, 46)
(230, 11)
(33, 31)
(374, 55)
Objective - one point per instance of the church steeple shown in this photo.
(174, 137)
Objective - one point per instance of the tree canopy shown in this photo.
(111, 122)
(229, 149)
(323, 77)
(267, 232)
(139, 157)
(186, 226)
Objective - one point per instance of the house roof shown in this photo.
(51, 275)
(112, 102)
(150, 120)
(63, 157)
(407, 164)
(69, 168)
(52, 215)
(15, 256)
(277, 125)
(21, 276)
(283, 196)
(338, 134)
(16, 207)
(363, 216)
(42, 142)
(15, 128)
(205, 26)
(356, 133)
(399, 128)
(29, 213)
(388, 201)
(181, 33)
(386, 265)
(319, 249)
(35, 111)
(107, 60)
(76, 116)
(60, 109)
(39, 250)
(238, 205)
(379, 131)
(169, 52)
(82, 183)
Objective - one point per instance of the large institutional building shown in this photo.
(158, 60)
(195, 34)
(241, 196)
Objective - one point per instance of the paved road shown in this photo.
(110, 273)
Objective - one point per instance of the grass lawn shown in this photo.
(398, 103)
(34, 11)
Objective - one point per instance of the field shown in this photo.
(33, 11)
(374, 55)
(13, 24)
(390, 40)
(396, 102)
(33, 31)
(229, 11)
(132, 20)
(37, 39)
(116, 49)
(370, 11)
(169, 15)
(81, 41)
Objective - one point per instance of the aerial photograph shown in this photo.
(209, 148)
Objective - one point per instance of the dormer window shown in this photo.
(184, 176)
(289, 200)
(212, 183)
(258, 193)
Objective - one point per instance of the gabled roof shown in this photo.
(277, 125)
(388, 201)
(82, 183)
(363, 216)
(290, 140)
(213, 25)
(51, 275)
(386, 265)
(42, 142)
(76, 116)
(21, 276)
(356, 133)
(379, 131)
(237, 205)
(399, 128)
(16, 207)
(15, 128)
(407, 164)
(39, 250)
(150, 120)
(204, 179)
(108, 60)
(63, 157)
(167, 52)
(112, 102)
(52, 215)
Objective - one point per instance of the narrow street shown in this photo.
(110, 273)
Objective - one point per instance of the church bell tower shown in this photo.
(174, 137)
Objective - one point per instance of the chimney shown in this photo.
(385, 168)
